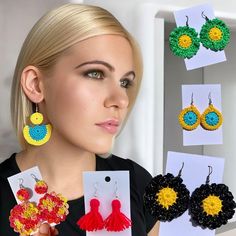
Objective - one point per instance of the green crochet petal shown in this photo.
(181, 51)
(214, 45)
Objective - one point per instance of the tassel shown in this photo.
(117, 221)
(93, 220)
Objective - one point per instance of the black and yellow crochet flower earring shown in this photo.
(211, 205)
(189, 117)
(214, 34)
(184, 41)
(211, 118)
(166, 197)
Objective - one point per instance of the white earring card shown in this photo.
(204, 56)
(106, 185)
(194, 174)
(200, 93)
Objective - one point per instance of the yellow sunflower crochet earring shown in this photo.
(189, 117)
(38, 134)
(184, 41)
(211, 118)
(214, 34)
(211, 205)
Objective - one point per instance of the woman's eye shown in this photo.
(126, 83)
(95, 74)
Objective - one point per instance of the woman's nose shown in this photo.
(117, 97)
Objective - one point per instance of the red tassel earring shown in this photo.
(92, 221)
(117, 221)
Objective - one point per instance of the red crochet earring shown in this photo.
(41, 186)
(92, 221)
(116, 221)
(24, 217)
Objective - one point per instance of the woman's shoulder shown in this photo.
(8, 167)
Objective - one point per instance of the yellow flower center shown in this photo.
(30, 211)
(185, 41)
(167, 197)
(215, 34)
(49, 204)
(212, 205)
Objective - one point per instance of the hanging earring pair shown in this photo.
(93, 220)
(185, 42)
(190, 117)
(210, 205)
(38, 134)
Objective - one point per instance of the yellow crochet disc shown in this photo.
(211, 118)
(36, 118)
(37, 135)
(189, 118)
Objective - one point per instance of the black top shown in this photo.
(139, 178)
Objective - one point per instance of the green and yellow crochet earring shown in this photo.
(214, 34)
(211, 118)
(184, 41)
(189, 117)
(38, 134)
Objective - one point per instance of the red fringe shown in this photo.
(92, 221)
(117, 221)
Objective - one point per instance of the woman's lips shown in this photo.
(111, 126)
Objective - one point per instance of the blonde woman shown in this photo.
(82, 71)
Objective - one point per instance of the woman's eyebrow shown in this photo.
(109, 66)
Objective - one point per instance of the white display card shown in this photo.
(204, 57)
(28, 182)
(200, 93)
(105, 183)
(194, 174)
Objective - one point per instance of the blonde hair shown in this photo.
(54, 33)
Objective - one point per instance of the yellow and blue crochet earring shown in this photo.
(189, 117)
(38, 134)
(215, 34)
(211, 118)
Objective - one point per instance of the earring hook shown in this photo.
(96, 189)
(209, 97)
(192, 99)
(116, 189)
(21, 182)
(180, 171)
(34, 177)
(187, 21)
(208, 177)
(204, 16)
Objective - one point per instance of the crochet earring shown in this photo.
(117, 221)
(211, 118)
(189, 117)
(41, 186)
(24, 217)
(166, 197)
(92, 221)
(184, 41)
(38, 134)
(211, 205)
(214, 34)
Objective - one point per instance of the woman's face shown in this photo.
(86, 98)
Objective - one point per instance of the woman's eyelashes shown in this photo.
(99, 75)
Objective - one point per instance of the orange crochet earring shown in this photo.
(38, 134)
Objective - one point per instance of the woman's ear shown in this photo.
(31, 82)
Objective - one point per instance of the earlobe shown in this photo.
(31, 82)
